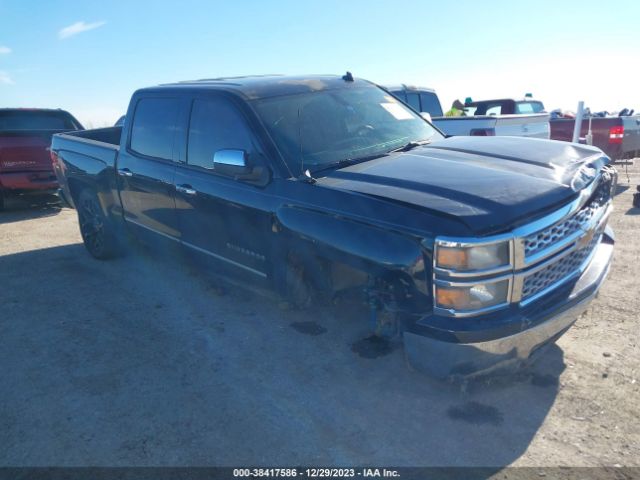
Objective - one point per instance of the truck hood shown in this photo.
(491, 184)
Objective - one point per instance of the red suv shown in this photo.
(25, 137)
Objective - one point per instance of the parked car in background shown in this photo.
(618, 137)
(25, 136)
(480, 251)
(501, 117)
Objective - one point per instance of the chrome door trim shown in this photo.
(166, 235)
(224, 259)
(201, 250)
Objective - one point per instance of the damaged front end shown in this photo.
(500, 300)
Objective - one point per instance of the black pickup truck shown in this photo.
(479, 250)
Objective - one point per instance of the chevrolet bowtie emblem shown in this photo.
(585, 240)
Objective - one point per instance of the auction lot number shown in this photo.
(313, 472)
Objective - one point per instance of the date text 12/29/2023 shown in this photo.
(315, 472)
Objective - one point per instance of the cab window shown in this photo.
(430, 104)
(400, 95)
(529, 107)
(413, 99)
(154, 127)
(494, 110)
(215, 124)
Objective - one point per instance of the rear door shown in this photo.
(146, 166)
(225, 219)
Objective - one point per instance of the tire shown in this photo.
(1, 201)
(97, 231)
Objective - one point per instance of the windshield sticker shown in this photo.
(397, 110)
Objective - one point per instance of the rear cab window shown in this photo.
(494, 110)
(430, 104)
(37, 120)
(413, 99)
(421, 101)
(529, 107)
(399, 94)
(492, 107)
(154, 127)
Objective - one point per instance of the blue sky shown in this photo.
(88, 56)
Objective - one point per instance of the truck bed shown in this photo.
(524, 125)
(109, 135)
(85, 154)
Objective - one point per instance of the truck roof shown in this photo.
(264, 86)
(408, 88)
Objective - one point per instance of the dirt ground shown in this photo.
(143, 361)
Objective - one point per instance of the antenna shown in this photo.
(347, 77)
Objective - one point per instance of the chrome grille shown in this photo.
(558, 271)
(544, 254)
(558, 232)
(548, 237)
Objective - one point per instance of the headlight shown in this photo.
(452, 256)
(473, 296)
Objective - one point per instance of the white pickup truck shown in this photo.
(501, 117)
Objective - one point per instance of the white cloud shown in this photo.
(77, 28)
(5, 79)
(4, 50)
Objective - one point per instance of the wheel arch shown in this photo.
(360, 249)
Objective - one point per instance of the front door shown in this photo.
(224, 219)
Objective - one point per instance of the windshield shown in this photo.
(36, 120)
(320, 129)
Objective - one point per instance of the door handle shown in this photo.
(186, 189)
(125, 172)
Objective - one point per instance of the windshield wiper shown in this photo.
(348, 161)
(410, 146)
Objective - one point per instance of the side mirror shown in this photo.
(426, 116)
(233, 163)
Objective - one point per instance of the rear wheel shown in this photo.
(97, 232)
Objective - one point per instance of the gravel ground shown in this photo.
(143, 361)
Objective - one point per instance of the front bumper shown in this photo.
(457, 354)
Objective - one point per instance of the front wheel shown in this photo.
(96, 229)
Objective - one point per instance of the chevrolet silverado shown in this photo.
(478, 251)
